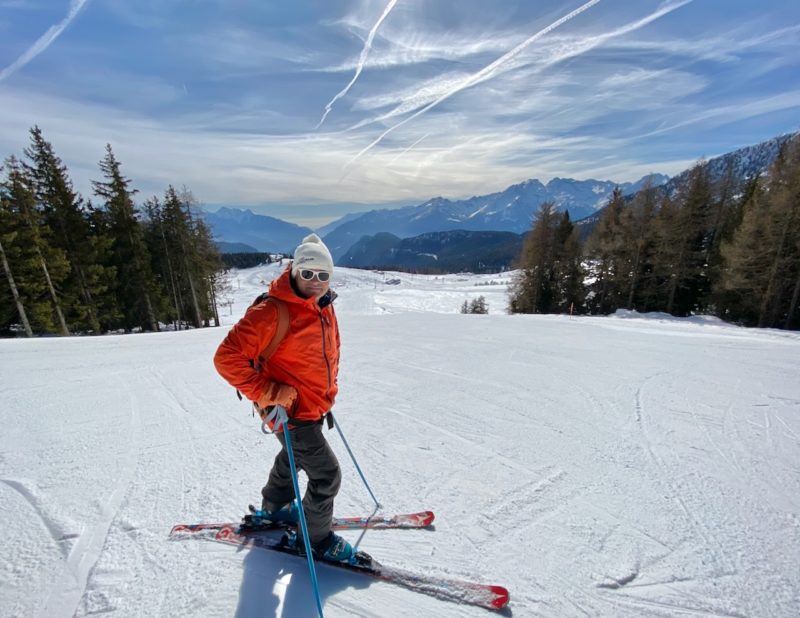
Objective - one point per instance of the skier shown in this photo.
(301, 376)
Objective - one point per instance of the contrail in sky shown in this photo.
(481, 75)
(361, 60)
(44, 41)
(409, 148)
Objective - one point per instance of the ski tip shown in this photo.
(427, 518)
(501, 597)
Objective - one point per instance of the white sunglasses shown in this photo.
(308, 275)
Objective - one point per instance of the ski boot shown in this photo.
(333, 549)
(259, 519)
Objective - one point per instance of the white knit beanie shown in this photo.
(313, 254)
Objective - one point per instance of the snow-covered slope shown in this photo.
(621, 466)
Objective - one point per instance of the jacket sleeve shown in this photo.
(245, 341)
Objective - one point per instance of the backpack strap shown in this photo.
(280, 333)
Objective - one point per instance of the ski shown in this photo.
(422, 519)
(459, 591)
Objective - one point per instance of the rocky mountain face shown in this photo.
(426, 226)
(232, 225)
(510, 210)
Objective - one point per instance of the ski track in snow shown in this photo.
(56, 529)
(677, 490)
(623, 467)
(68, 590)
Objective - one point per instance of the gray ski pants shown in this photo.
(314, 456)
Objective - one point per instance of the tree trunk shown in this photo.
(634, 277)
(675, 276)
(53, 295)
(20, 307)
(773, 275)
(171, 278)
(198, 322)
(87, 298)
(213, 300)
(793, 304)
(151, 315)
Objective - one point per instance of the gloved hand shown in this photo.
(277, 394)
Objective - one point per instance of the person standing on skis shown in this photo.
(300, 375)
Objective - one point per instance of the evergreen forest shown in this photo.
(107, 264)
(727, 247)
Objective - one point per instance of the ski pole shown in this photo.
(284, 422)
(353, 457)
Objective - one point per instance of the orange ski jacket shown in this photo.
(307, 358)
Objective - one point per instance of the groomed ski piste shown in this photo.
(595, 466)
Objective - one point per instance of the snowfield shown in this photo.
(605, 466)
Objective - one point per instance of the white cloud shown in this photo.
(726, 114)
(44, 41)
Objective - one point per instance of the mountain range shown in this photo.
(411, 236)
(233, 228)
(510, 210)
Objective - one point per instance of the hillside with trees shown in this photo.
(717, 245)
(77, 267)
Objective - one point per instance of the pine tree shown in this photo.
(729, 199)
(637, 248)
(65, 214)
(136, 288)
(699, 205)
(683, 236)
(605, 249)
(38, 269)
(193, 256)
(531, 290)
(6, 233)
(762, 260)
(204, 260)
(568, 272)
(177, 222)
(162, 258)
(23, 316)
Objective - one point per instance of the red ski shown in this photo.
(423, 519)
(484, 595)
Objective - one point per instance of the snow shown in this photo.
(633, 465)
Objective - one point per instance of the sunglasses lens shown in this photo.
(308, 275)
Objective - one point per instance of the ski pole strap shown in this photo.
(272, 415)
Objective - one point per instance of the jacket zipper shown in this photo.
(325, 356)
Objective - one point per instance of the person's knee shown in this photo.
(326, 484)
(336, 481)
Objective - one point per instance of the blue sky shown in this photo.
(305, 109)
